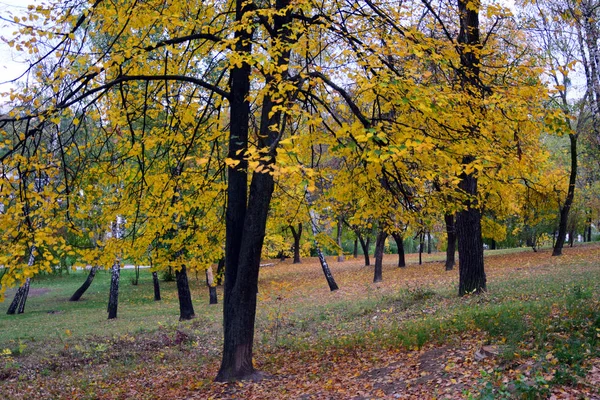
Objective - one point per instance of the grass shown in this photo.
(543, 313)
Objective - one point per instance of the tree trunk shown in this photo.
(472, 277)
(589, 227)
(451, 249)
(365, 248)
(297, 234)
(428, 242)
(246, 225)
(220, 271)
(421, 247)
(186, 309)
(156, 286)
(564, 210)
(341, 257)
(379, 248)
(571, 237)
(79, 292)
(113, 296)
(212, 289)
(355, 251)
(493, 245)
(400, 244)
(324, 266)
(18, 303)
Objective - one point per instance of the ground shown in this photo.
(534, 334)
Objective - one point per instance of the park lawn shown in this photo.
(409, 336)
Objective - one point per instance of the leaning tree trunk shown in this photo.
(400, 244)
(339, 239)
(564, 210)
(324, 266)
(220, 271)
(113, 296)
(212, 288)
(186, 309)
(379, 248)
(18, 303)
(79, 292)
(297, 234)
(156, 285)
(451, 249)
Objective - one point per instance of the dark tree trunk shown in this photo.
(421, 247)
(589, 228)
(428, 242)
(493, 245)
(472, 277)
(220, 271)
(365, 247)
(18, 303)
(355, 251)
(451, 249)
(212, 289)
(297, 234)
(400, 244)
(246, 225)
(564, 210)
(12, 309)
(379, 248)
(186, 309)
(79, 292)
(156, 286)
(571, 237)
(113, 295)
(341, 257)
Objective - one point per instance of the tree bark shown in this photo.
(186, 308)
(379, 248)
(472, 277)
(220, 271)
(428, 242)
(156, 285)
(113, 296)
(324, 266)
(564, 210)
(355, 251)
(365, 248)
(400, 244)
(451, 248)
(212, 289)
(421, 247)
(297, 234)
(341, 257)
(79, 292)
(18, 303)
(589, 227)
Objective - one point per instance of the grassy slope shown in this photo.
(541, 310)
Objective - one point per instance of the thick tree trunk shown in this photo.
(564, 210)
(212, 289)
(297, 234)
(400, 244)
(113, 295)
(379, 248)
(186, 308)
(156, 285)
(341, 257)
(472, 277)
(451, 249)
(79, 292)
(243, 246)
